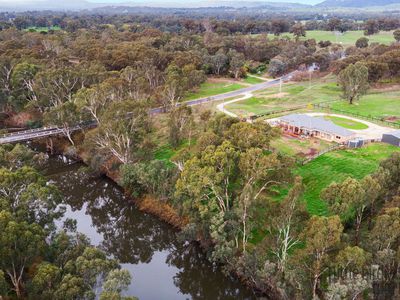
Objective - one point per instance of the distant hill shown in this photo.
(357, 3)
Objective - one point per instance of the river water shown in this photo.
(162, 267)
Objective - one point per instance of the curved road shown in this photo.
(50, 131)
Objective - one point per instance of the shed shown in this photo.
(392, 138)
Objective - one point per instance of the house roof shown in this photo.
(316, 124)
(394, 133)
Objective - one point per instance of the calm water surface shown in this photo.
(160, 265)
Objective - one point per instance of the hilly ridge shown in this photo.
(357, 3)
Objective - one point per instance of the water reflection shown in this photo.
(161, 267)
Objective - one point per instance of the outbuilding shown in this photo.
(392, 138)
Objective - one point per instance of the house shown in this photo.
(319, 127)
(392, 138)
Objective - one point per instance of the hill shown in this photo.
(357, 3)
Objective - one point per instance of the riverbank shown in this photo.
(166, 213)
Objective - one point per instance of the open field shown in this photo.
(347, 123)
(42, 29)
(210, 88)
(348, 38)
(337, 166)
(378, 103)
(293, 95)
(252, 80)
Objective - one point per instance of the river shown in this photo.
(162, 267)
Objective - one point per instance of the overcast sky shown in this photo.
(157, 1)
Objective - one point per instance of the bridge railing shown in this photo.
(23, 132)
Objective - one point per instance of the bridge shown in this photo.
(28, 135)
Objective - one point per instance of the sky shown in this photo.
(158, 1)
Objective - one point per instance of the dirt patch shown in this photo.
(21, 119)
(392, 119)
(223, 80)
(381, 87)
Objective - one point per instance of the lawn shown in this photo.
(208, 89)
(293, 95)
(43, 29)
(349, 38)
(380, 104)
(253, 80)
(337, 166)
(383, 103)
(347, 123)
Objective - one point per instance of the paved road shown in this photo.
(220, 97)
(50, 131)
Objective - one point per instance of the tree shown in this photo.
(352, 259)
(354, 81)
(376, 70)
(396, 35)
(236, 63)
(371, 27)
(122, 131)
(362, 42)
(244, 135)
(298, 30)
(219, 61)
(334, 24)
(321, 236)
(28, 196)
(116, 282)
(20, 244)
(23, 82)
(350, 197)
(290, 214)
(65, 116)
(277, 67)
(259, 172)
(386, 232)
(180, 124)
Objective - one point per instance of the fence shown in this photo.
(331, 148)
(359, 116)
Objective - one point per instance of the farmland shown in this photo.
(348, 38)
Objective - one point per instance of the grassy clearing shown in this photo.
(378, 103)
(43, 29)
(337, 166)
(349, 37)
(347, 123)
(293, 95)
(208, 89)
(299, 147)
(253, 80)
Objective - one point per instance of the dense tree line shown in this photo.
(37, 259)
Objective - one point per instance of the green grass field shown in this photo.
(348, 38)
(379, 104)
(208, 89)
(252, 80)
(383, 104)
(292, 95)
(347, 123)
(337, 166)
(43, 29)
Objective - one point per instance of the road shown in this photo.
(50, 131)
(233, 94)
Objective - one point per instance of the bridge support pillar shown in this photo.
(50, 145)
